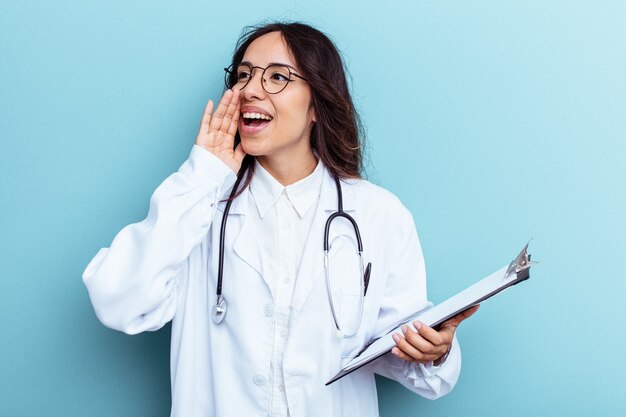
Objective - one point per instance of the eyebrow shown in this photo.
(271, 63)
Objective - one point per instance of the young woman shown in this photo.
(261, 315)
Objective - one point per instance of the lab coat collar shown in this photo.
(328, 195)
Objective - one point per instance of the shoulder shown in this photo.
(378, 200)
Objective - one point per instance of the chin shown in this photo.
(251, 148)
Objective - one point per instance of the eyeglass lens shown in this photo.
(274, 78)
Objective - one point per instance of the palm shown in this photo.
(217, 130)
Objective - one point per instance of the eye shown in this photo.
(243, 75)
(278, 74)
(244, 72)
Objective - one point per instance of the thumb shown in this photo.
(456, 320)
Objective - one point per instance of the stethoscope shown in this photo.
(221, 305)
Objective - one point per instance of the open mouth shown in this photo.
(252, 119)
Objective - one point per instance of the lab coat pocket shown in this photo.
(350, 316)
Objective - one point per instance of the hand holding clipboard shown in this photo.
(516, 271)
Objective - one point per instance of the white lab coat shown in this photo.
(165, 268)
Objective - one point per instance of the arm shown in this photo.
(134, 284)
(426, 362)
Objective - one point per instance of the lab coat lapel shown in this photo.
(245, 240)
(312, 264)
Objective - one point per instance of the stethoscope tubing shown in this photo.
(221, 305)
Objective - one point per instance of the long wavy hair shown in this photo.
(337, 136)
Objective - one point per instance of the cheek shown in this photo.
(295, 110)
(298, 117)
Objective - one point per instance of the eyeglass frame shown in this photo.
(230, 72)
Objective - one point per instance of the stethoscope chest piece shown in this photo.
(219, 310)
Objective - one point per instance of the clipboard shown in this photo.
(516, 271)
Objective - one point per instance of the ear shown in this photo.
(312, 113)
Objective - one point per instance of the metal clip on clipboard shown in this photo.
(521, 264)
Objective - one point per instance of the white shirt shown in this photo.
(164, 268)
(285, 216)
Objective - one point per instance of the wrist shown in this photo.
(440, 360)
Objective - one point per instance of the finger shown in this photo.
(206, 117)
(456, 320)
(414, 353)
(417, 341)
(437, 338)
(406, 348)
(470, 312)
(230, 111)
(234, 122)
(400, 354)
(216, 120)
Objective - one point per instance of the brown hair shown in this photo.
(337, 135)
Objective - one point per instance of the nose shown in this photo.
(254, 89)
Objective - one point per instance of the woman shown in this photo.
(266, 339)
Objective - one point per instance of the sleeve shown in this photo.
(134, 284)
(405, 293)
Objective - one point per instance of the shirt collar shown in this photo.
(266, 190)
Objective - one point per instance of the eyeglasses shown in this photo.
(278, 76)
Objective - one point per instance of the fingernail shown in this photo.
(404, 328)
(417, 325)
(395, 351)
(396, 337)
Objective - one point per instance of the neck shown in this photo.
(286, 169)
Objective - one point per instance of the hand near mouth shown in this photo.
(217, 131)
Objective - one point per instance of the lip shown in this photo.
(252, 130)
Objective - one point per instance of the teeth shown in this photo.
(249, 115)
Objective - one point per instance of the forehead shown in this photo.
(269, 48)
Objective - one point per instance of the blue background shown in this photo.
(494, 122)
